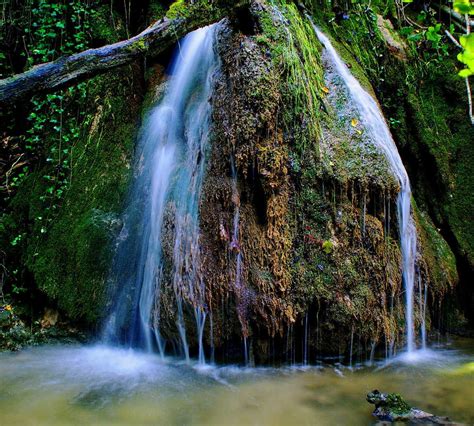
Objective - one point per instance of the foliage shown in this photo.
(396, 404)
(178, 9)
(55, 120)
(52, 238)
(294, 46)
(467, 41)
(14, 334)
(467, 56)
(464, 6)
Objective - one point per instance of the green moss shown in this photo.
(294, 49)
(396, 404)
(69, 258)
(139, 45)
(444, 136)
(107, 26)
(430, 123)
(438, 255)
(178, 9)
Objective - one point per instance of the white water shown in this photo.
(240, 290)
(422, 298)
(377, 130)
(71, 385)
(169, 178)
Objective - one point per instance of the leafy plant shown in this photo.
(464, 6)
(327, 246)
(433, 35)
(467, 55)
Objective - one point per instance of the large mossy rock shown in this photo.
(426, 108)
(313, 198)
(69, 260)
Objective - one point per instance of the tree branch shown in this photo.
(72, 69)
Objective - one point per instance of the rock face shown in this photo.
(392, 408)
(315, 252)
(319, 254)
(299, 241)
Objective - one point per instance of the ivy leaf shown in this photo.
(467, 56)
(466, 72)
(464, 6)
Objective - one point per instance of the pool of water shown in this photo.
(101, 385)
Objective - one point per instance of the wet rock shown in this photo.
(392, 407)
(50, 318)
(394, 44)
(101, 395)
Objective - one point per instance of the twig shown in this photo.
(468, 87)
(451, 37)
(469, 100)
(13, 167)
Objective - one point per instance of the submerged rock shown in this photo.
(392, 407)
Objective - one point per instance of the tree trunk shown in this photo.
(72, 69)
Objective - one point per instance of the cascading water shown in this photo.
(169, 176)
(238, 287)
(377, 130)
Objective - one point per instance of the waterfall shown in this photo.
(422, 299)
(167, 187)
(305, 344)
(377, 130)
(239, 288)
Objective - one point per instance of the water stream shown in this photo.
(378, 132)
(167, 187)
(61, 385)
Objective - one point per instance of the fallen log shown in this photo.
(155, 39)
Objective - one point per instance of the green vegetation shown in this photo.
(295, 52)
(396, 404)
(316, 198)
(178, 9)
(414, 73)
(75, 165)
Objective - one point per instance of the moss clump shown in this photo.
(182, 9)
(294, 49)
(69, 258)
(396, 404)
(441, 262)
(178, 9)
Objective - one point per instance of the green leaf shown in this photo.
(327, 246)
(465, 73)
(464, 6)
